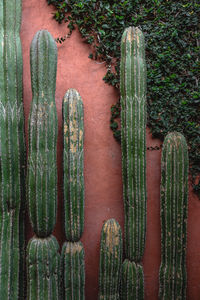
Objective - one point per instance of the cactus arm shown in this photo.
(174, 195)
(42, 170)
(110, 260)
(73, 134)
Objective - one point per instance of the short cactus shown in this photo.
(174, 202)
(43, 265)
(73, 134)
(12, 154)
(110, 261)
(42, 169)
(133, 140)
(132, 285)
(73, 271)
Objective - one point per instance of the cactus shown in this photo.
(12, 154)
(73, 132)
(42, 170)
(174, 199)
(42, 254)
(110, 261)
(133, 140)
(73, 271)
(43, 262)
(132, 286)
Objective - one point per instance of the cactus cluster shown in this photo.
(110, 261)
(174, 198)
(72, 256)
(133, 143)
(42, 252)
(44, 264)
(12, 154)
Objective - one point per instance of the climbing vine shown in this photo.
(172, 34)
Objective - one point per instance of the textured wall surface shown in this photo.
(103, 182)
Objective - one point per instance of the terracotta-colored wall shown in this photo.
(103, 183)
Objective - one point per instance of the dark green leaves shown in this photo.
(172, 36)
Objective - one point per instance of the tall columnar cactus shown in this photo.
(110, 261)
(73, 134)
(132, 285)
(12, 153)
(42, 169)
(174, 202)
(43, 263)
(72, 258)
(42, 256)
(133, 140)
(73, 271)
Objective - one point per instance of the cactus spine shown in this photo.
(174, 199)
(12, 153)
(73, 165)
(42, 253)
(73, 270)
(110, 261)
(133, 142)
(72, 256)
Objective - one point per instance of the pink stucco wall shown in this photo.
(103, 183)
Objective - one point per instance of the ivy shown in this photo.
(172, 35)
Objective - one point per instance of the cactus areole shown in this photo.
(42, 167)
(12, 153)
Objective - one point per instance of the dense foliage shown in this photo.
(172, 34)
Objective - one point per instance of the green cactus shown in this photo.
(43, 265)
(12, 154)
(73, 271)
(174, 203)
(110, 261)
(132, 286)
(73, 134)
(133, 140)
(42, 169)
